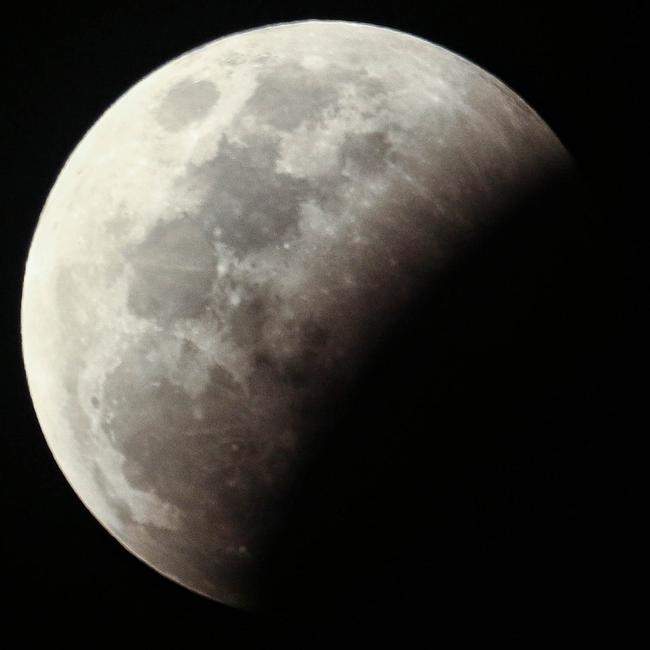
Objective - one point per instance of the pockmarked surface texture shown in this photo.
(222, 249)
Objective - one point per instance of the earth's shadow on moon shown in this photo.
(442, 483)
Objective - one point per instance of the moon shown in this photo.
(224, 248)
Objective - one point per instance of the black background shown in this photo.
(531, 394)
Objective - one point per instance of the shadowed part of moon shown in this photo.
(417, 499)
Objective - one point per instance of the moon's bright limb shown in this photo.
(218, 253)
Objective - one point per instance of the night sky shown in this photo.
(512, 524)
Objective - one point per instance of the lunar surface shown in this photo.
(224, 247)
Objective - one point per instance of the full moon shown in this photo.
(224, 248)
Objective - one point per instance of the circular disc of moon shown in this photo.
(222, 249)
